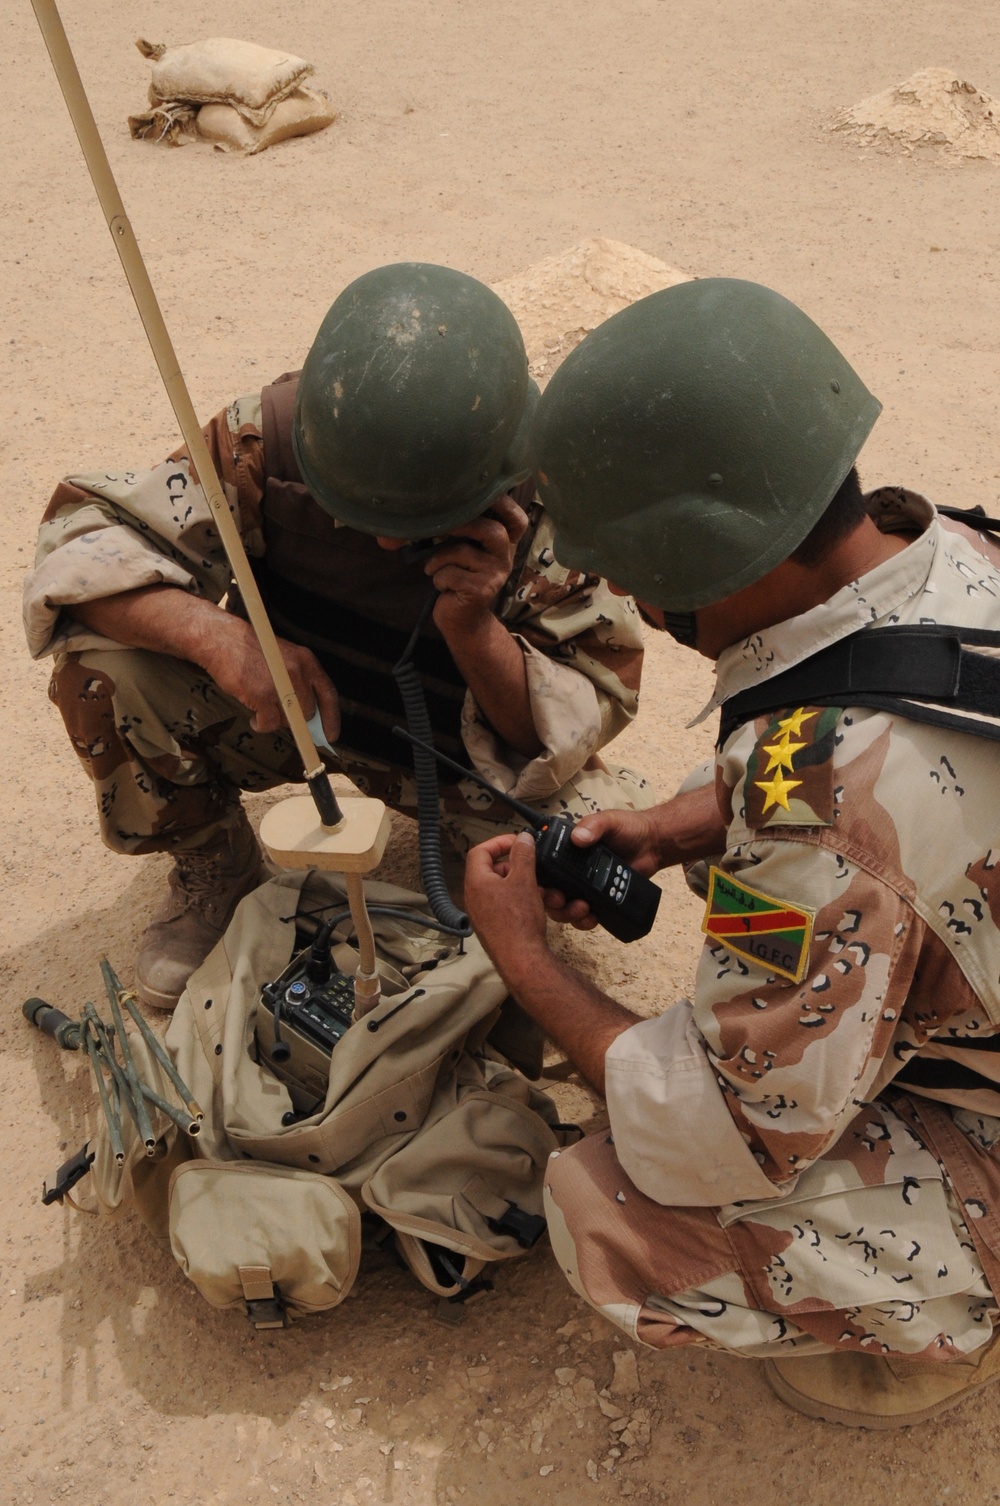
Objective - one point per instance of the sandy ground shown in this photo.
(486, 137)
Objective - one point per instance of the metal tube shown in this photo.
(120, 1080)
(185, 1122)
(114, 1125)
(127, 997)
(203, 470)
(149, 1036)
(135, 1086)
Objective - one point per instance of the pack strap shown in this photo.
(974, 516)
(265, 1304)
(927, 673)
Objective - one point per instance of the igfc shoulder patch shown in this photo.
(789, 779)
(766, 931)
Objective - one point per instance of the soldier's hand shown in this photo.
(473, 565)
(502, 896)
(239, 668)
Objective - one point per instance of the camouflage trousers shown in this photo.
(169, 754)
(879, 1248)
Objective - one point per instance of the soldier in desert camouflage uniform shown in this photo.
(528, 668)
(803, 1162)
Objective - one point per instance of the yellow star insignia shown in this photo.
(791, 726)
(777, 789)
(782, 754)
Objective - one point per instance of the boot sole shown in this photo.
(166, 1002)
(799, 1401)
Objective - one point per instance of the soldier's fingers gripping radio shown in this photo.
(624, 901)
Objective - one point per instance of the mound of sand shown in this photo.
(932, 108)
(559, 300)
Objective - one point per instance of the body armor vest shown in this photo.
(355, 604)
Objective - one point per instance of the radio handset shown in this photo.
(624, 902)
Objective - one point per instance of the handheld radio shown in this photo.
(624, 902)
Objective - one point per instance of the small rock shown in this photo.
(626, 1377)
(608, 1407)
(566, 1375)
(546, 1469)
(639, 1425)
(429, 1448)
(591, 1470)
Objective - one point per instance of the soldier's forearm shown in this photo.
(164, 619)
(492, 665)
(574, 1014)
(688, 827)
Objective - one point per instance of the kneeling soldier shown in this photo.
(804, 1160)
(407, 422)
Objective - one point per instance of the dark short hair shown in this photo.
(842, 516)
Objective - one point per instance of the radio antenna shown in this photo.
(82, 116)
(533, 817)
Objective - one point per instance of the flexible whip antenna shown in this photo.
(134, 267)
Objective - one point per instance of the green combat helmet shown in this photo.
(414, 403)
(689, 444)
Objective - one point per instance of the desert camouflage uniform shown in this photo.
(168, 751)
(846, 1110)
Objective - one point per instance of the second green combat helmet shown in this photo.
(689, 444)
(414, 402)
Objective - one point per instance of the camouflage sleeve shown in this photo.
(109, 532)
(582, 649)
(762, 1072)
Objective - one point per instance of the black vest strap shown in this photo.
(925, 673)
(974, 516)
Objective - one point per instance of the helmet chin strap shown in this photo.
(680, 625)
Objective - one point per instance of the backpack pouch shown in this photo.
(269, 1237)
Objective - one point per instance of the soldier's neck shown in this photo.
(791, 589)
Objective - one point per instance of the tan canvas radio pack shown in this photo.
(404, 1125)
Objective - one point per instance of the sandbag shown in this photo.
(236, 95)
(224, 70)
(300, 114)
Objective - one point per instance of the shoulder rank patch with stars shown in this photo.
(789, 780)
(766, 931)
